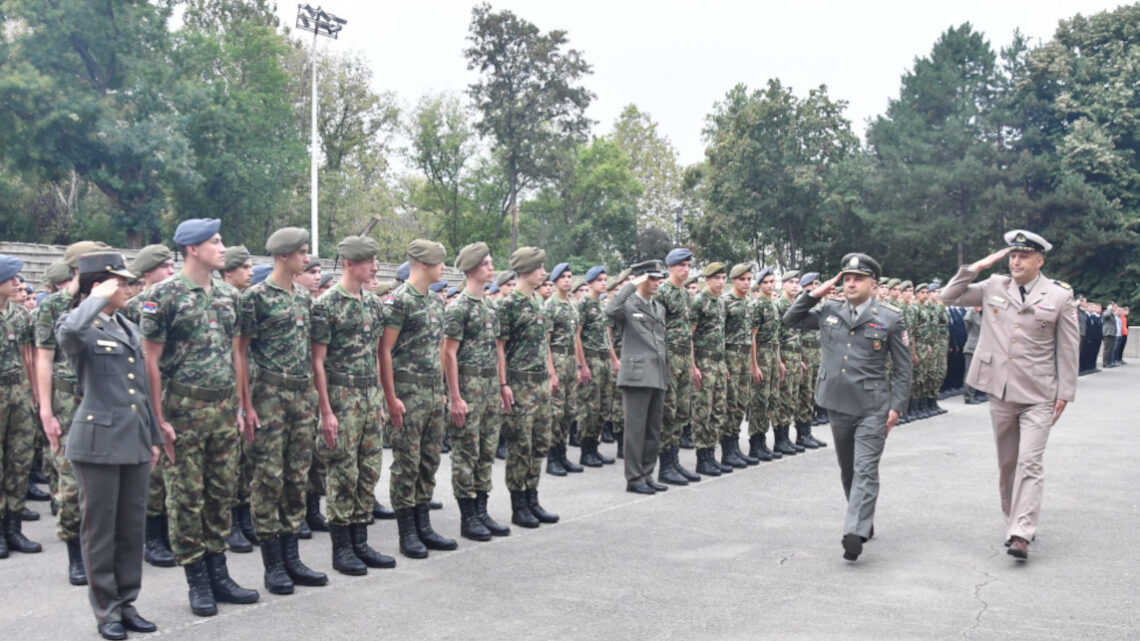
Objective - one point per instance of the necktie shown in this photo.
(1021, 288)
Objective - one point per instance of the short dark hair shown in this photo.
(86, 283)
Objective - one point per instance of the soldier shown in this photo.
(914, 324)
(189, 325)
(692, 285)
(679, 395)
(501, 288)
(526, 380)
(741, 367)
(439, 288)
(577, 289)
(614, 421)
(600, 365)
(856, 337)
(345, 344)
(471, 369)
(791, 359)
(940, 316)
(278, 407)
(569, 364)
(412, 376)
(709, 379)
(238, 269)
(310, 277)
(810, 350)
(765, 395)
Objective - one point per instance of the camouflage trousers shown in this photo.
(318, 473)
(709, 401)
(354, 464)
(614, 412)
(678, 397)
(941, 354)
(416, 446)
(789, 390)
(245, 473)
(594, 398)
(473, 445)
(66, 491)
(806, 406)
(924, 371)
(563, 405)
(200, 484)
(738, 389)
(282, 451)
(527, 429)
(764, 393)
(17, 444)
(156, 493)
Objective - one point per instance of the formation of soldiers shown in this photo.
(318, 373)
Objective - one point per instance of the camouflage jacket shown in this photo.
(473, 323)
(278, 324)
(708, 323)
(678, 327)
(766, 321)
(593, 321)
(789, 338)
(419, 317)
(522, 324)
(16, 325)
(737, 320)
(351, 328)
(563, 318)
(47, 314)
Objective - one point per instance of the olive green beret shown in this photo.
(892, 283)
(357, 248)
(921, 286)
(286, 241)
(313, 265)
(150, 257)
(470, 256)
(906, 284)
(57, 273)
(235, 257)
(794, 274)
(75, 250)
(615, 283)
(383, 287)
(884, 281)
(527, 259)
(505, 277)
(427, 252)
(577, 283)
(689, 281)
(713, 269)
(739, 269)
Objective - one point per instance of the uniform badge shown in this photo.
(300, 321)
(150, 307)
(905, 338)
(832, 320)
(876, 345)
(367, 327)
(43, 333)
(12, 336)
(1047, 308)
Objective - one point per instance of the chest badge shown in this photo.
(877, 345)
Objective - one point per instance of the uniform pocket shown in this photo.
(92, 426)
(107, 357)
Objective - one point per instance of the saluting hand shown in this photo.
(989, 261)
(825, 289)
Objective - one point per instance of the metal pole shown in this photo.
(315, 233)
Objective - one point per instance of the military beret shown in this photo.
(615, 283)
(437, 286)
(427, 252)
(260, 273)
(559, 269)
(713, 269)
(894, 282)
(505, 277)
(451, 291)
(75, 250)
(652, 268)
(884, 281)
(1027, 241)
(56, 273)
(104, 263)
(762, 274)
(935, 285)
(383, 287)
(493, 289)
(150, 257)
(595, 271)
(525, 260)
(906, 284)
(922, 287)
(404, 271)
(808, 278)
(577, 283)
(40, 298)
(235, 257)
(470, 256)
(286, 241)
(739, 269)
(792, 275)
(9, 267)
(196, 231)
(856, 263)
(326, 278)
(690, 280)
(313, 265)
(677, 256)
(358, 248)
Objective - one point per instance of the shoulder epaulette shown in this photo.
(1063, 284)
(890, 307)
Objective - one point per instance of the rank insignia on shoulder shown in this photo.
(891, 307)
(1063, 284)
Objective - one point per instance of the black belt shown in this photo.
(526, 377)
(198, 393)
(562, 349)
(294, 383)
(11, 378)
(345, 380)
(67, 387)
(596, 353)
(746, 349)
(416, 379)
(708, 353)
(483, 372)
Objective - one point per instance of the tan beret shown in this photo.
(150, 257)
(621, 277)
(286, 240)
(357, 248)
(383, 287)
(470, 256)
(713, 269)
(235, 257)
(906, 284)
(577, 283)
(525, 260)
(505, 277)
(794, 274)
(739, 269)
(689, 281)
(75, 250)
(427, 252)
(56, 273)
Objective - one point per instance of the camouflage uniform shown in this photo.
(64, 402)
(522, 324)
(156, 494)
(941, 347)
(738, 359)
(593, 398)
(197, 330)
(709, 401)
(792, 357)
(563, 318)
(277, 324)
(17, 424)
(916, 320)
(418, 382)
(351, 328)
(809, 343)
(614, 413)
(765, 394)
(473, 323)
(679, 338)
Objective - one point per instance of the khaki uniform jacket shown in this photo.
(1027, 352)
(644, 355)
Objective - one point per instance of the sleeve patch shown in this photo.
(150, 307)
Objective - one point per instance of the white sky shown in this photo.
(675, 58)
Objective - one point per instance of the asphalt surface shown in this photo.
(755, 554)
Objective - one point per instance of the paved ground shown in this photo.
(754, 554)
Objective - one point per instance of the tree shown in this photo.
(442, 144)
(530, 104)
(653, 160)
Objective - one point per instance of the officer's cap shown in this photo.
(713, 269)
(9, 267)
(471, 256)
(808, 278)
(856, 263)
(559, 269)
(150, 257)
(196, 231)
(653, 268)
(792, 275)
(577, 283)
(75, 250)
(594, 272)
(525, 260)
(235, 257)
(260, 273)
(505, 277)
(404, 271)
(678, 256)
(437, 286)
(426, 251)
(286, 241)
(104, 263)
(739, 269)
(1027, 241)
(56, 273)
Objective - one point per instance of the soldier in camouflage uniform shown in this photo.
(809, 343)
(679, 341)
(791, 358)
(569, 364)
(471, 368)
(527, 379)
(500, 289)
(600, 365)
(412, 376)
(278, 407)
(941, 315)
(614, 424)
(741, 367)
(766, 326)
(912, 316)
(17, 424)
(710, 379)
(189, 323)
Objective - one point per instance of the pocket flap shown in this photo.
(107, 347)
(877, 334)
(874, 384)
(97, 417)
(984, 357)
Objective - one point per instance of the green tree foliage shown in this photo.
(442, 143)
(653, 160)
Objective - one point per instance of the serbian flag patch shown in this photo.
(149, 307)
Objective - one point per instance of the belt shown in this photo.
(708, 353)
(679, 347)
(346, 380)
(483, 372)
(199, 393)
(526, 377)
(294, 383)
(562, 349)
(744, 349)
(68, 387)
(11, 378)
(596, 353)
(416, 379)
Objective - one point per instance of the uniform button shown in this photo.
(131, 391)
(851, 333)
(130, 359)
(848, 345)
(131, 376)
(843, 371)
(844, 357)
(90, 418)
(133, 408)
(107, 348)
(1016, 325)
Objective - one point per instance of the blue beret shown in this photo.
(678, 256)
(40, 298)
(260, 273)
(493, 289)
(196, 231)
(9, 267)
(403, 271)
(594, 272)
(763, 273)
(437, 286)
(558, 270)
(808, 278)
(451, 291)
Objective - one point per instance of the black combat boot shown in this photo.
(157, 553)
(76, 574)
(410, 544)
(277, 581)
(813, 439)
(295, 567)
(445, 448)
(34, 493)
(373, 559)
(202, 601)
(728, 457)
(567, 464)
(589, 456)
(606, 460)
(225, 589)
(313, 517)
(344, 557)
(758, 447)
(747, 458)
(236, 539)
(936, 407)
(675, 456)
(706, 462)
(245, 518)
(620, 448)
(537, 510)
(3, 544)
(608, 432)
(782, 444)
(803, 435)
(501, 450)
(905, 418)
(29, 515)
(554, 463)
(520, 511)
(493, 526)
(381, 512)
(430, 538)
(666, 473)
(304, 532)
(824, 417)
(572, 437)
(470, 525)
(13, 533)
(686, 441)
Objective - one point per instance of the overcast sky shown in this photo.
(674, 59)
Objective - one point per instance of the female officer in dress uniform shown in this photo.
(113, 441)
